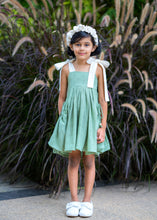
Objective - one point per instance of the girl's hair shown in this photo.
(78, 36)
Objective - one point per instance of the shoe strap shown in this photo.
(73, 204)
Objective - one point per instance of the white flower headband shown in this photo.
(82, 27)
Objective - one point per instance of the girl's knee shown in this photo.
(89, 161)
(74, 162)
(74, 159)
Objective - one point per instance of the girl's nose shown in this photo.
(82, 47)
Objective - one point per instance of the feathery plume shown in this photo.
(101, 57)
(20, 42)
(155, 47)
(146, 79)
(50, 72)
(94, 12)
(17, 5)
(80, 10)
(64, 40)
(33, 9)
(129, 29)
(2, 60)
(121, 81)
(130, 8)
(123, 12)
(128, 57)
(56, 55)
(146, 29)
(155, 26)
(134, 37)
(151, 23)
(132, 11)
(105, 21)
(153, 113)
(118, 39)
(144, 13)
(154, 168)
(44, 50)
(117, 6)
(88, 16)
(117, 28)
(130, 106)
(69, 26)
(139, 73)
(120, 92)
(129, 78)
(153, 101)
(4, 19)
(114, 44)
(143, 107)
(150, 83)
(147, 36)
(34, 84)
(45, 5)
(151, 15)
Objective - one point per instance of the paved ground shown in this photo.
(22, 201)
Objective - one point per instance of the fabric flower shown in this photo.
(85, 28)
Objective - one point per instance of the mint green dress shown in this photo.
(77, 125)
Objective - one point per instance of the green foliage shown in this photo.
(27, 120)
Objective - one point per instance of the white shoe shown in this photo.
(86, 209)
(72, 209)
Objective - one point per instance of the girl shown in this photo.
(82, 105)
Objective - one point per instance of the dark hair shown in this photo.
(78, 36)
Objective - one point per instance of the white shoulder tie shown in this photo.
(104, 64)
(59, 66)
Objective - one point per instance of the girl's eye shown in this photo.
(78, 45)
(86, 45)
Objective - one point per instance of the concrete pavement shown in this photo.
(23, 201)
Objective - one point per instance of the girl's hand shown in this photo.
(100, 135)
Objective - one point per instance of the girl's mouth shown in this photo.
(81, 53)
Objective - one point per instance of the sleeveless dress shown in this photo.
(79, 120)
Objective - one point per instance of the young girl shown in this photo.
(80, 129)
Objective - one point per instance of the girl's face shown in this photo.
(83, 48)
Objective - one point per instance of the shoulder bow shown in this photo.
(103, 63)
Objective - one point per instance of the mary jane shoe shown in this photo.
(72, 209)
(86, 209)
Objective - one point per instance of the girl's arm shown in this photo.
(103, 103)
(63, 86)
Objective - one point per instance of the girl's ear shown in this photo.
(94, 48)
(71, 47)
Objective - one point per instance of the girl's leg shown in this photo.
(73, 165)
(89, 166)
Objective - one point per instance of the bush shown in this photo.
(33, 39)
